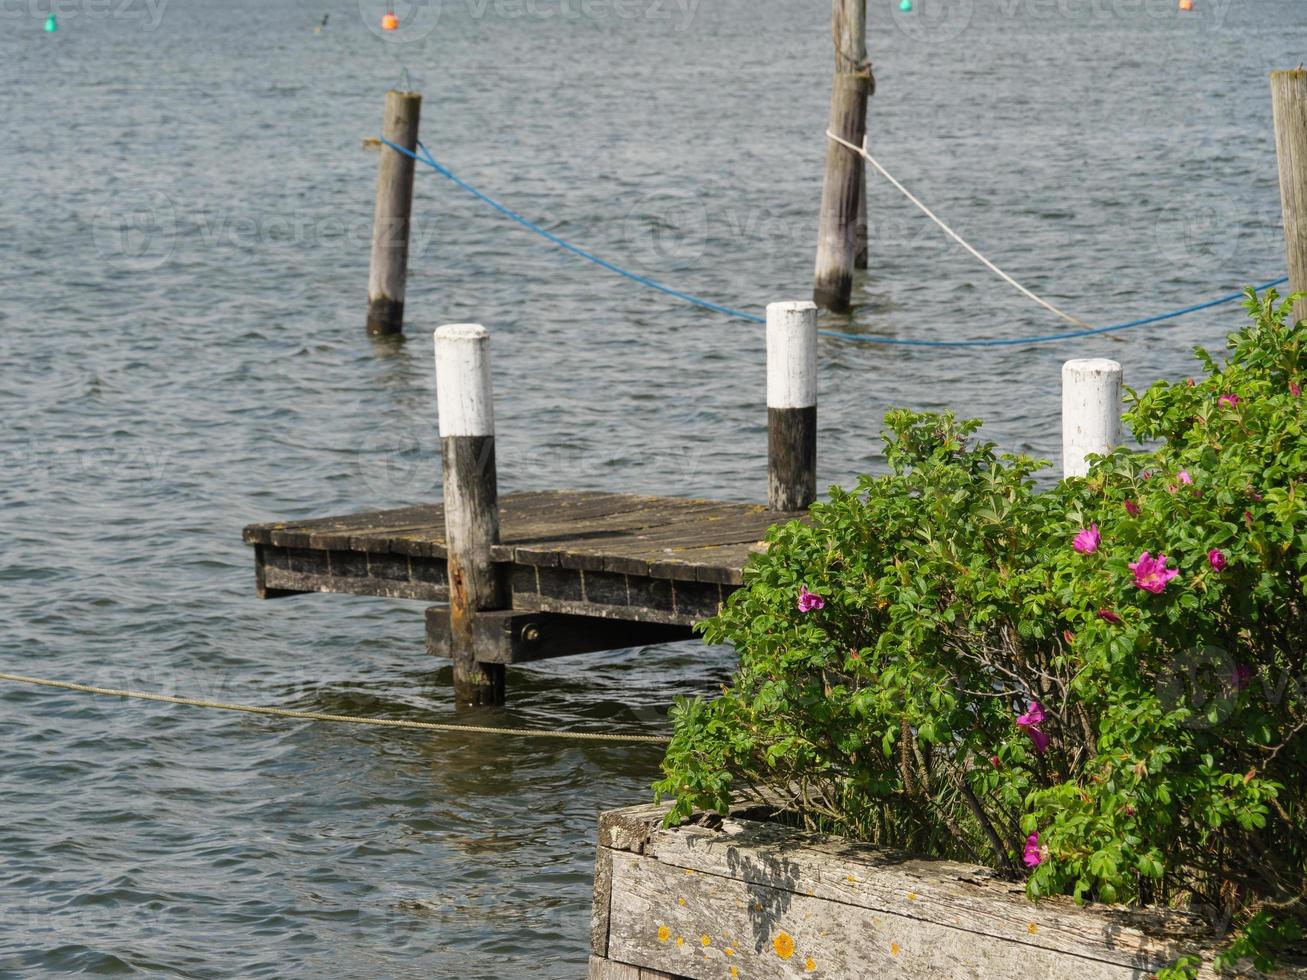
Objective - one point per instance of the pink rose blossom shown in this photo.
(808, 601)
(1216, 558)
(1190, 382)
(1230, 400)
(1184, 477)
(1030, 721)
(1132, 508)
(1110, 617)
(1295, 389)
(1151, 574)
(1034, 854)
(1088, 540)
(995, 761)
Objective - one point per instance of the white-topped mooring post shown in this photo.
(1091, 412)
(465, 401)
(388, 273)
(791, 405)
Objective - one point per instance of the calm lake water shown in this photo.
(184, 215)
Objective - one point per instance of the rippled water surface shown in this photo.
(184, 214)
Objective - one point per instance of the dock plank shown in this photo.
(616, 547)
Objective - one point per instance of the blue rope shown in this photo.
(754, 318)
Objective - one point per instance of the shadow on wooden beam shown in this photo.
(514, 637)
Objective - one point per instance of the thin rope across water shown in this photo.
(862, 152)
(421, 726)
(1088, 331)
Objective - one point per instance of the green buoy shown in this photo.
(905, 6)
(51, 24)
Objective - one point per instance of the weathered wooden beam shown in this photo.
(465, 404)
(602, 969)
(1289, 102)
(391, 217)
(507, 636)
(1091, 412)
(791, 405)
(779, 904)
(281, 571)
(836, 233)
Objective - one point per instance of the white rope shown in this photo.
(862, 151)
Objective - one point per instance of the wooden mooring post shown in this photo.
(465, 402)
(390, 219)
(837, 230)
(791, 405)
(1091, 412)
(1289, 102)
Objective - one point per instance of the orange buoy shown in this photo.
(1186, 4)
(391, 23)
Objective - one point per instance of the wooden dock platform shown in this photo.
(606, 570)
(552, 572)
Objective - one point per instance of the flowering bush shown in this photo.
(1095, 686)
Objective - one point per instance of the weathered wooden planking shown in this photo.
(601, 969)
(776, 903)
(630, 534)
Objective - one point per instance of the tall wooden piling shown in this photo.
(465, 402)
(837, 230)
(1289, 102)
(791, 405)
(860, 228)
(390, 219)
(1091, 412)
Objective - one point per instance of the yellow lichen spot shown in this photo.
(784, 945)
(680, 940)
(664, 934)
(680, 901)
(894, 949)
(1032, 928)
(734, 972)
(912, 896)
(689, 871)
(728, 951)
(706, 939)
(757, 906)
(850, 879)
(809, 965)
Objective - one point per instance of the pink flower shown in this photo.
(1230, 400)
(1088, 540)
(1190, 382)
(1216, 558)
(1295, 389)
(995, 761)
(1110, 617)
(1030, 721)
(1132, 508)
(1184, 477)
(1151, 574)
(808, 601)
(1242, 676)
(1034, 715)
(1034, 854)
